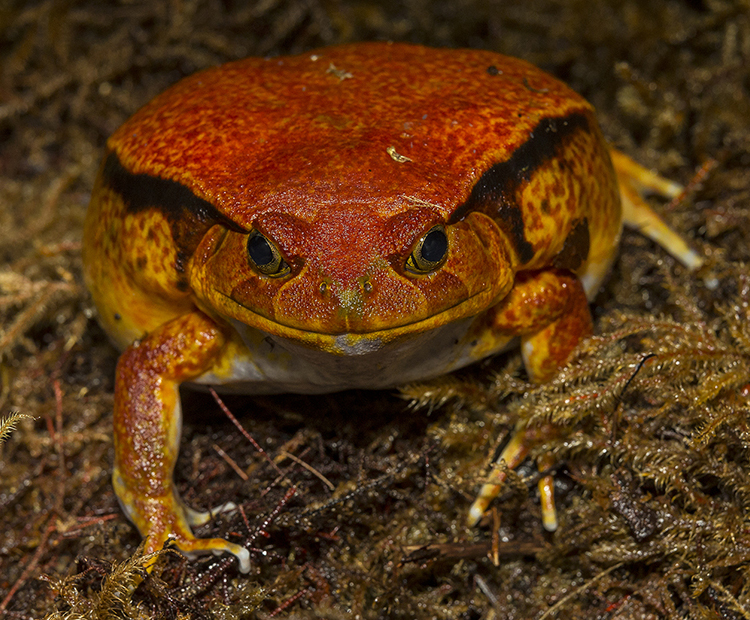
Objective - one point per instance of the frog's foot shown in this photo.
(164, 519)
(193, 547)
(173, 524)
(634, 180)
(510, 458)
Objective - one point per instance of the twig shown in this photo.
(309, 468)
(59, 447)
(578, 591)
(463, 550)
(29, 568)
(231, 462)
(289, 602)
(616, 412)
(242, 430)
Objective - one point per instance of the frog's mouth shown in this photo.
(354, 342)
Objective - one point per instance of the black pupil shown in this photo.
(435, 246)
(259, 250)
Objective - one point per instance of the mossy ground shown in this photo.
(367, 518)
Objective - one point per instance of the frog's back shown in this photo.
(369, 131)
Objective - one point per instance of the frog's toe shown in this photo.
(184, 541)
(166, 518)
(194, 547)
(488, 492)
(201, 517)
(635, 180)
(547, 499)
(512, 456)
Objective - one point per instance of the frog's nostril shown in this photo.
(362, 286)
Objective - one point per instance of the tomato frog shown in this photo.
(354, 217)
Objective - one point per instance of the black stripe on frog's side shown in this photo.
(188, 215)
(576, 247)
(497, 190)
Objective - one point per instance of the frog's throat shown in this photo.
(351, 342)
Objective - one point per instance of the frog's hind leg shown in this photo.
(635, 180)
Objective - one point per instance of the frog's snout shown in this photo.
(348, 301)
(351, 295)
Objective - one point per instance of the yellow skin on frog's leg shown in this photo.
(632, 180)
(147, 422)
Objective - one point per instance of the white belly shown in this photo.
(270, 364)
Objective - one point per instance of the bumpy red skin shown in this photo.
(309, 151)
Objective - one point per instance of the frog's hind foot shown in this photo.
(166, 519)
(635, 180)
(190, 546)
(179, 535)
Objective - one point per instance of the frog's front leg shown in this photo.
(147, 426)
(550, 312)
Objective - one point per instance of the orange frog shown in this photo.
(353, 217)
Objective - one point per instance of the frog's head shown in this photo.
(351, 277)
(353, 195)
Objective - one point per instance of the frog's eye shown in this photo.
(429, 252)
(265, 256)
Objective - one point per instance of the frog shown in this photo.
(354, 217)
